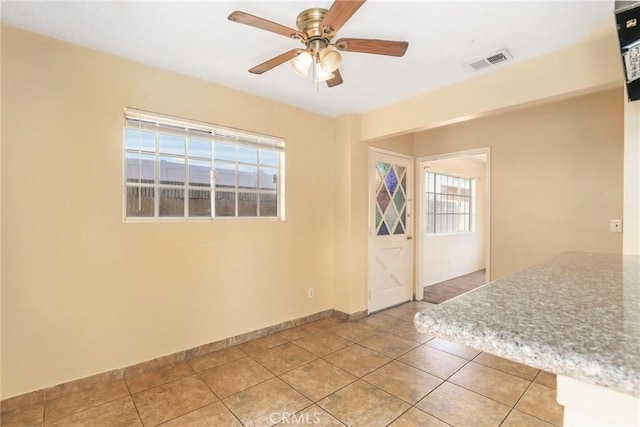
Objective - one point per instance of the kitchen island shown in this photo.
(576, 315)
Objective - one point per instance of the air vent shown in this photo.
(492, 59)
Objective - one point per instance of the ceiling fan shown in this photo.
(317, 28)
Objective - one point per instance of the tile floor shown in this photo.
(377, 371)
(443, 291)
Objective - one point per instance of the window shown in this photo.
(450, 203)
(180, 169)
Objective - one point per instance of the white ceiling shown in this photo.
(195, 38)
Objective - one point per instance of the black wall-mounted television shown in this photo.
(628, 27)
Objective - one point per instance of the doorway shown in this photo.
(390, 247)
(453, 217)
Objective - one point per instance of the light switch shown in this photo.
(615, 226)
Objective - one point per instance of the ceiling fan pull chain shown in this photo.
(315, 77)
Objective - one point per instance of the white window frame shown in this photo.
(456, 215)
(146, 121)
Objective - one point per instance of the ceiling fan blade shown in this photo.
(275, 61)
(340, 12)
(263, 24)
(335, 80)
(377, 47)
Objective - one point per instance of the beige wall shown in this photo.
(585, 67)
(84, 292)
(1, 218)
(556, 174)
(591, 66)
(402, 144)
(350, 216)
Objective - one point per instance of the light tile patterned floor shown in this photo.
(443, 291)
(377, 371)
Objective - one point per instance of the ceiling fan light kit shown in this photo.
(321, 75)
(330, 59)
(301, 63)
(326, 61)
(317, 28)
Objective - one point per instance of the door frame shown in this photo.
(419, 223)
(410, 215)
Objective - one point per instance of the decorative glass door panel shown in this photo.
(391, 199)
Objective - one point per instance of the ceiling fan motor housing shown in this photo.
(309, 23)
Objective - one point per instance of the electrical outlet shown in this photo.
(310, 293)
(615, 226)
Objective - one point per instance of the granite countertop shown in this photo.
(576, 315)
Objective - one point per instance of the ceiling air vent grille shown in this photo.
(492, 59)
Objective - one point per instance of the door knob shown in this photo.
(409, 237)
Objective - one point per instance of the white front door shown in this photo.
(390, 229)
